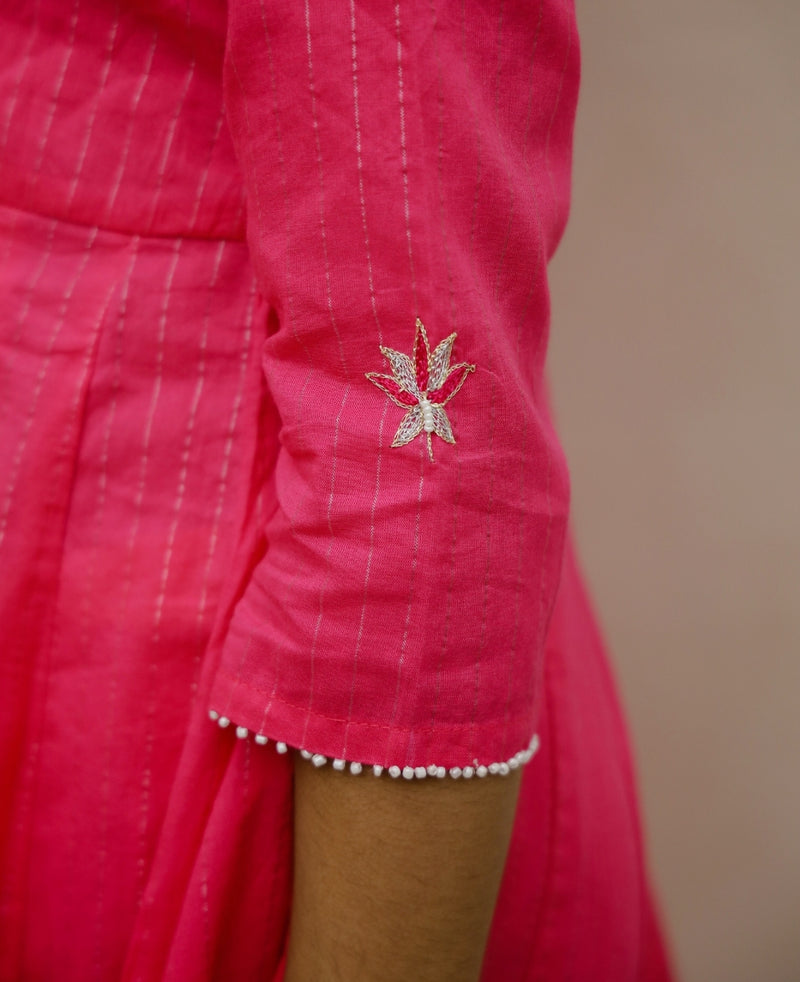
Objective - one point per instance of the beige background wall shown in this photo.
(675, 362)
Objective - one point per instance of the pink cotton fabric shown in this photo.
(215, 221)
(398, 613)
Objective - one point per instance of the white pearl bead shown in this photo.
(441, 771)
(261, 739)
(420, 772)
(394, 771)
(408, 773)
(223, 721)
(355, 767)
(432, 769)
(455, 772)
(377, 770)
(338, 764)
(494, 768)
(306, 754)
(503, 768)
(318, 760)
(241, 732)
(213, 714)
(481, 771)
(469, 771)
(281, 747)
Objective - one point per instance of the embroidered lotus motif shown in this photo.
(423, 385)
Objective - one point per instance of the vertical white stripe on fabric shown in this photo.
(11, 106)
(233, 419)
(374, 306)
(27, 779)
(201, 184)
(528, 427)
(526, 131)
(404, 153)
(19, 453)
(407, 214)
(173, 123)
(51, 110)
(70, 431)
(108, 59)
(535, 677)
(492, 415)
(28, 291)
(453, 319)
(360, 170)
(345, 368)
(289, 297)
(567, 52)
(101, 858)
(152, 666)
(126, 146)
(187, 445)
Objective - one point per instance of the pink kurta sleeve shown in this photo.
(407, 169)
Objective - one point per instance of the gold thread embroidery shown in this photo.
(422, 385)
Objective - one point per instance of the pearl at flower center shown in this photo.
(427, 415)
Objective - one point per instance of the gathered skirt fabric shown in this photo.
(140, 841)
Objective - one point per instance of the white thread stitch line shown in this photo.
(475, 769)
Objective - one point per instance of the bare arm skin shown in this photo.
(395, 880)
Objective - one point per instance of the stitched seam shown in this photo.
(190, 235)
(241, 684)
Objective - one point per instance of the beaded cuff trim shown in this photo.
(432, 770)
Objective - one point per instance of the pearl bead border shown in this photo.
(475, 769)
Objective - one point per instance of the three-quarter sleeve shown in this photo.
(407, 171)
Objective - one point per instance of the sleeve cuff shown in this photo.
(474, 768)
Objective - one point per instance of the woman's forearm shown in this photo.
(395, 880)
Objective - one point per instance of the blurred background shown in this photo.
(675, 366)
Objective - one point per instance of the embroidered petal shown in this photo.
(441, 424)
(392, 389)
(422, 355)
(455, 379)
(403, 369)
(440, 362)
(410, 426)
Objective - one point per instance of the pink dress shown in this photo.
(279, 471)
